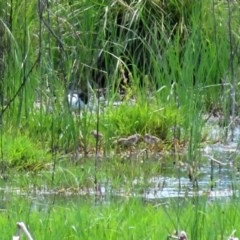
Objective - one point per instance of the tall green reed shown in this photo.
(159, 45)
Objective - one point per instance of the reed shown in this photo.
(168, 63)
(48, 46)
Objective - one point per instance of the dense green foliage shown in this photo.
(179, 53)
(123, 219)
(167, 62)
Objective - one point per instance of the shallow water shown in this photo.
(217, 177)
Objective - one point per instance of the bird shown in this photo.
(128, 141)
(97, 135)
(150, 139)
(77, 100)
(21, 227)
(123, 142)
(133, 139)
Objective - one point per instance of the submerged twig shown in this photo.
(21, 228)
(216, 161)
(181, 236)
(231, 237)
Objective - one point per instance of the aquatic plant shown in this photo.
(74, 218)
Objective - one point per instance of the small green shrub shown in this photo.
(140, 118)
(23, 153)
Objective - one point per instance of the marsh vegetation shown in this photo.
(156, 79)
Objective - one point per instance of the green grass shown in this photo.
(177, 53)
(180, 65)
(43, 132)
(23, 153)
(57, 217)
(164, 42)
(71, 175)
